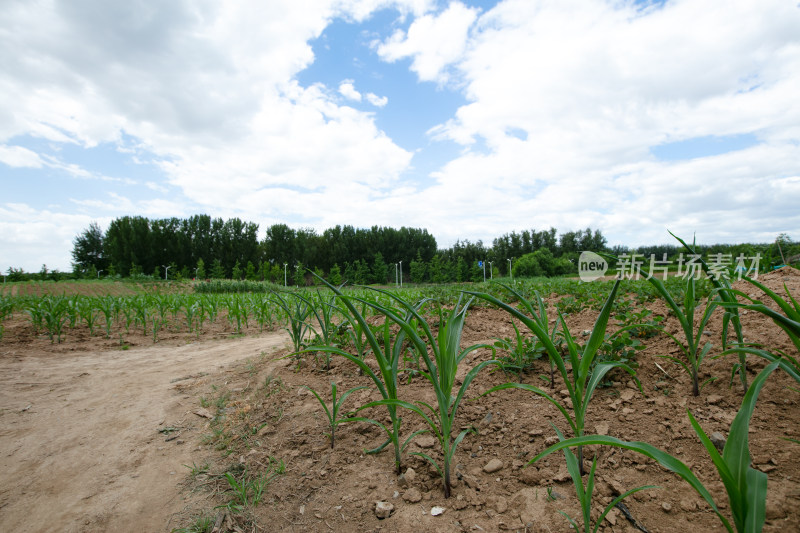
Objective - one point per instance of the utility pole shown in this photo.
(284, 274)
(401, 274)
(491, 274)
(166, 271)
(509, 269)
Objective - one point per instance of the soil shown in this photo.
(87, 440)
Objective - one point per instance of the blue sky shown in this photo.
(470, 119)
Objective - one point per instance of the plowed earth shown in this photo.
(94, 438)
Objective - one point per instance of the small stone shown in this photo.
(412, 495)
(495, 465)
(549, 441)
(602, 428)
(410, 475)
(426, 441)
(718, 440)
(586, 333)
(437, 511)
(666, 507)
(383, 509)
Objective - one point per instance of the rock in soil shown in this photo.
(495, 465)
(383, 509)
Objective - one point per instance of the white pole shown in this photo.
(395, 275)
(401, 274)
(491, 274)
(284, 274)
(509, 269)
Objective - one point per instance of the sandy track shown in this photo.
(79, 443)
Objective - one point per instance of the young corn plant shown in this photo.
(108, 308)
(54, 314)
(388, 353)
(745, 486)
(789, 322)
(585, 492)
(336, 405)
(323, 311)
(88, 313)
(723, 288)
(297, 313)
(441, 372)
(693, 354)
(584, 375)
(6, 308)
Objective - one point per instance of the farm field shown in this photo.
(97, 428)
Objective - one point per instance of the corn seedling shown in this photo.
(88, 313)
(53, 310)
(441, 372)
(333, 413)
(108, 308)
(297, 312)
(6, 308)
(585, 373)
(388, 355)
(585, 492)
(693, 354)
(731, 316)
(789, 322)
(745, 486)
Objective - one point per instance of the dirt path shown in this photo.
(80, 448)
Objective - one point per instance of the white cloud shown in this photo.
(377, 101)
(433, 41)
(32, 237)
(566, 99)
(18, 156)
(348, 90)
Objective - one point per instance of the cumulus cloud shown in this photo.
(348, 90)
(19, 157)
(377, 101)
(565, 100)
(432, 41)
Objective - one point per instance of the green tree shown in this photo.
(417, 269)
(527, 266)
(200, 273)
(318, 271)
(380, 271)
(362, 273)
(236, 273)
(87, 250)
(300, 275)
(276, 274)
(217, 272)
(250, 272)
(335, 275)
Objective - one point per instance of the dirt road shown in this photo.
(80, 447)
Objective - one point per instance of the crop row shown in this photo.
(432, 333)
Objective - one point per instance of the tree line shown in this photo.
(203, 247)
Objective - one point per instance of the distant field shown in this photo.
(90, 288)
